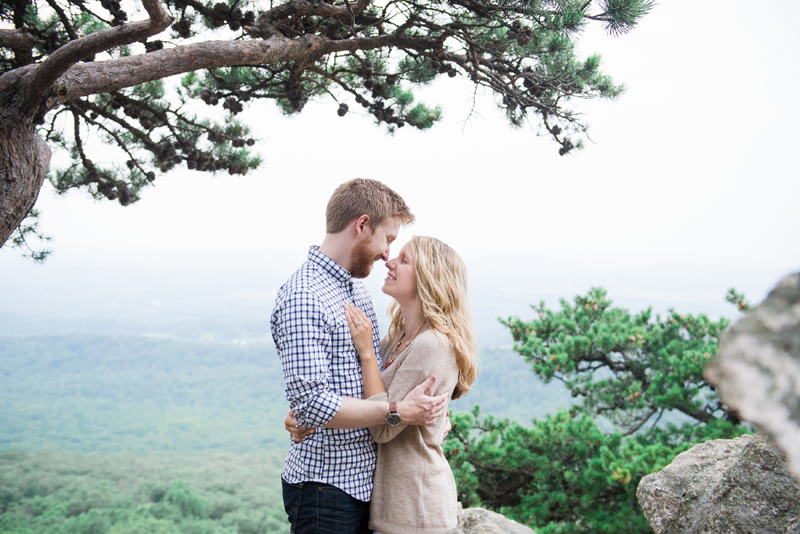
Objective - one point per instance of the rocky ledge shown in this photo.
(732, 486)
(758, 368)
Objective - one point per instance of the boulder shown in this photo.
(482, 521)
(732, 486)
(757, 371)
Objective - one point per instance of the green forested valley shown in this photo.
(142, 394)
(139, 394)
(139, 435)
(155, 493)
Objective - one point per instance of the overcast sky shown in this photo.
(695, 164)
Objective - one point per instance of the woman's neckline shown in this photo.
(397, 355)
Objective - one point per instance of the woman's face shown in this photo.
(400, 282)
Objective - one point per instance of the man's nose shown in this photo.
(385, 254)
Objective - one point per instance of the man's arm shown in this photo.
(417, 408)
(300, 337)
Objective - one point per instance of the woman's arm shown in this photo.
(426, 355)
(361, 330)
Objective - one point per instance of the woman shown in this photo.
(431, 332)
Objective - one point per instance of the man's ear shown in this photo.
(362, 223)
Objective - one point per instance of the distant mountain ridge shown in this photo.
(225, 298)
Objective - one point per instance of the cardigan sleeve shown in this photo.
(430, 355)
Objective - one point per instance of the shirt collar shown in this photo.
(337, 272)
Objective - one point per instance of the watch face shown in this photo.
(393, 419)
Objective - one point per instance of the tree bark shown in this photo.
(17, 40)
(24, 158)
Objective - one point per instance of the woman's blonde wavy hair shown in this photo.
(442, 286)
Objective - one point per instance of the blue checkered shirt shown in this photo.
(320, 366)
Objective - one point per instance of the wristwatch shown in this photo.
(393, 419)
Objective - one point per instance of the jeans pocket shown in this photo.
(292, 495)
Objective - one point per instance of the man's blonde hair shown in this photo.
(442, 286)
(360, 197)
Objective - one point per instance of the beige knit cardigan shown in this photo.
(414, 492)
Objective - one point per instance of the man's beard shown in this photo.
(361, 260)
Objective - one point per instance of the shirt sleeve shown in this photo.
(303, 344)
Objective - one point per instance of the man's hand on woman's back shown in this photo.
(419, 408)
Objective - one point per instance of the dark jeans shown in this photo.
(321, 508)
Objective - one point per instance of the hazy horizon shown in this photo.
(229, 297)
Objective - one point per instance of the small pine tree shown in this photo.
(634, 374)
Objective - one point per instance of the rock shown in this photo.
(482, 521)
(757, 371)
(732, 486)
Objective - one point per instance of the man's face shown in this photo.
(373, 246)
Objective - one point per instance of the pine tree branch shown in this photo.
(105, 76)
(29, 228)
(20, 6)
(36, 84)
(18, 40)
(302, 8)
(641, 423)
(142, 136)
(111, 133)
(63, 18)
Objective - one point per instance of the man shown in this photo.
(327, 478)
